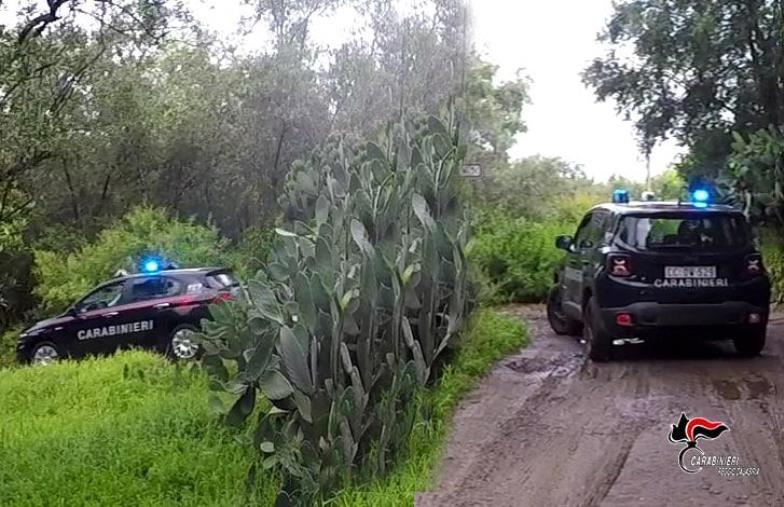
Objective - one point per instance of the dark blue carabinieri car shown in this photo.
(159, 310)
(658, 269)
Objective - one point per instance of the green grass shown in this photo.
(136, 430)
(129, 430)
(491, 336)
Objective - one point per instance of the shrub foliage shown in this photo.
(366, 289)
(516, 257)
(63, 278)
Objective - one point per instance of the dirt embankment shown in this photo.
(549, 428)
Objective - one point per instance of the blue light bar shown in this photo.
(620, 196)
(700, 198)
(701, 195)
(150, 266)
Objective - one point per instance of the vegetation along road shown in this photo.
(549, 427)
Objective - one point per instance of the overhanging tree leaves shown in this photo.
(695, 70)
(44, 61)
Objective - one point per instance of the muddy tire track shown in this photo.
(548, 427)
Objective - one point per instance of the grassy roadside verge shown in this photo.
(135, 430)
(129, 430)
(491, 336)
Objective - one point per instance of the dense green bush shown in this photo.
(249, 254)
(517, 257)
(366, 290)
(8, 339)
(133, 429)
(529, 187)
(63, 278)
(773, 256)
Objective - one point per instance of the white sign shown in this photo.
(471, 171)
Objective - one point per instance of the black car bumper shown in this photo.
(715, 320)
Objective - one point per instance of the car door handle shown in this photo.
(160, 306)
(111, 314)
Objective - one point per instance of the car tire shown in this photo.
(45, 352)
(598, 341)
(752, 343)
(560, 323)
(180, 345)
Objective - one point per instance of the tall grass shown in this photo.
(129, 430)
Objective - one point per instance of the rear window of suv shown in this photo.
(693, 231)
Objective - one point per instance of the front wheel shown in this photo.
(44, 353)
(182, 345)
(598, 341)
(559, 321)
(752, 343)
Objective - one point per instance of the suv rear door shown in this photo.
(687, 256)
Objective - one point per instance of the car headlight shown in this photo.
(30, 333)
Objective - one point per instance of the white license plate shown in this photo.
(690, 271)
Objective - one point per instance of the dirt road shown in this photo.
(549, 428)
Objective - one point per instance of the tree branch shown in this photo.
(39, 23)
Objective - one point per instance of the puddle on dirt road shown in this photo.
(727, 389)
(753, 388)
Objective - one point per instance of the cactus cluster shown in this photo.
(366, 288)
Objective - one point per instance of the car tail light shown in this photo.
(623, 319)
(754, 265)
(222, 296)
(619, 265)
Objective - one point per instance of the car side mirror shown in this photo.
(563, 242)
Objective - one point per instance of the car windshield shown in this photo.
(693, 231)
(103, 297)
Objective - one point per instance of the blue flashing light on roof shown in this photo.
(700, 198)
(151, 266)
(620, 196)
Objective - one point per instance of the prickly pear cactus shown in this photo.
(366, 288)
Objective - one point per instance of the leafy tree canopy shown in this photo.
(694, 70)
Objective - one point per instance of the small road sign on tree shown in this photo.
(471, 171)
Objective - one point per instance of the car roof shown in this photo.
(169, 272)
(653, 207)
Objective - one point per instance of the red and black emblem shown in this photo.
(690, 430)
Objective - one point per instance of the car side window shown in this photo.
(103, 297)
(156, 287)
(583, 238)
(602, 226)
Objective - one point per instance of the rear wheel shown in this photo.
(598, 341)
(44, 353)
(182, 345)
(559, 321)
(752, 343)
